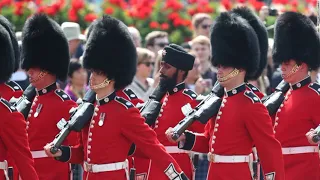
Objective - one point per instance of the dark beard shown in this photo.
(168, 83)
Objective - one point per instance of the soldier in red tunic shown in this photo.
(13, 135)
(242, 120)
(45, 57)
(11, 89)
(176, 63)
(297, 49)
(116, 124)
(262, 35)
(126, 92)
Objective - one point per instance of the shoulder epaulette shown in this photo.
(129, 93)
(127, 104)
(315, 87)
(8, 105)
(252, 96)
(252, 87)
(190, 93)
(14, 86)
(62, 95)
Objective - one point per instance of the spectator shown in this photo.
(77, 78)
(194, 81)
(156, 69)
(156, 40)
(314, 75)
(276, 79)
(20, 76)
(201, 24)
(135, 36)
(264, 13)
(194, 74)
(142, 85)
(202, 48)
(72, 32)
(74, 37)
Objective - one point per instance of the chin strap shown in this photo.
(105, 83)
(294, 69)
(232, 74)
(40, 76)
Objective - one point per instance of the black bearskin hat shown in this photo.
(235, 44)
(8, 26)
(45, 46)
(296, 38)
(6, 55)
(313, 18)
(110, 49)
(262, 35)
(90, 28)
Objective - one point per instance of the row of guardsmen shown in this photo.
(118, 138)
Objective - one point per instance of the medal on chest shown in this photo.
(101, 119)
(39, 107)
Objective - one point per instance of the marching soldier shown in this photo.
(45, 57)
(176, 63)
(11, 89)
(116, 124)
(262, 35)
(297, 49)
(13, 135)
(126, 92)
(242, 120)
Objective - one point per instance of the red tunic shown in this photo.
(13, 139)
(242, 122)
(10, 89)
(48, 108)
(170, 115)
(295, 117)
(110, 142)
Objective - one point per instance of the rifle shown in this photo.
(151, 108)
(274, 100)
(79, 118)
(23, 104)
(207, 108)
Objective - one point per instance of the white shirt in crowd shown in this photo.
(142, 90)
